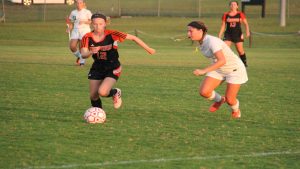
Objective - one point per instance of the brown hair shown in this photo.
(198, 25)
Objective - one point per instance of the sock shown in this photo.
(244, 59)
(215, 96)
(77, 54)
(112, 92)
(97, 103)
(235, 107)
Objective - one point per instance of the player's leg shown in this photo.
(82, 32)
(106, 90)
(231, 99)
(94, 96)
(81, 60)
(207, 90)
(74, 49)
(75, 37)
(240, 49)
(228, 43)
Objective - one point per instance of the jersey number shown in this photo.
(103, 56)
(232, 24)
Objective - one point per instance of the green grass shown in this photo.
(163, 122)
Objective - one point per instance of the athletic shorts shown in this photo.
(234, 37)
(236, 76)
(79, 33)
(100, 75)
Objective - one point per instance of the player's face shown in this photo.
(194, 34)
(80, 5)
(233, 6)
(99, 25)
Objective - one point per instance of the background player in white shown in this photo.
(226, 66)
(79, 22)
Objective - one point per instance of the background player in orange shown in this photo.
(78, 25)
(232, 21)
(225, 66)
(102, 44)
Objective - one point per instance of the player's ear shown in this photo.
(108, 20)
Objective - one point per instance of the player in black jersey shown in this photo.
(102, 44)
(232, 21)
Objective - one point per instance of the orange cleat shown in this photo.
(77, 61)
(236, 114)
(214, 107)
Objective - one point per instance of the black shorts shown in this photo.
(100, 75)
(234, 37)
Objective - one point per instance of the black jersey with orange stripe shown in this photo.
(233, 23)
(107, 57)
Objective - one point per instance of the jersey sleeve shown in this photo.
(242, 16)
(85, 41)
(215, 45)
(117, 36)
(89, 14)
(71, 16)
(224, 17)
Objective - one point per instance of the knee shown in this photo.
(103, 93)
(205, 93)
(73, 49)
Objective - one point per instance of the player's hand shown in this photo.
(247, 34)
(199, 72)
(151, 51)
(94, 49)
(68, 30)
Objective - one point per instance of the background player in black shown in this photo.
(233, 34)
(106, 69)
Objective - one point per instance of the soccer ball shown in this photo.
(95, 115)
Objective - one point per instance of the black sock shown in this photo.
(244, 59)
(96, 103)
(112, 92)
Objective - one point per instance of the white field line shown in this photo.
(161, 160)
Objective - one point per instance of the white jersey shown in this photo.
(213, 44)
(82, 15)
(233, 71)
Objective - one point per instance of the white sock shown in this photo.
(77, 54)
(235, 107)
(215, 97)
(82, 61)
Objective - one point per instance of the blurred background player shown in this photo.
(106, 69)
(233, 34)
(226, 66)
(79, 23)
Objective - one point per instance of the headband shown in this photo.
(98, 15)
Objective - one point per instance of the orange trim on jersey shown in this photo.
(85, 40)
(116, 35)
(242, 15)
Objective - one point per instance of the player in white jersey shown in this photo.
(79, 22)
(225, 66)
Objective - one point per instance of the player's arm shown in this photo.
(222, 29)
(85, 52)
(69, 24)
(246, 26)
(220, 62)
(140, 43)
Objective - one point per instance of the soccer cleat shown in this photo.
(236, 114)
(216, 105)
(77, 61)
(117, 99)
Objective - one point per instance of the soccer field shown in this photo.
(163, 122)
